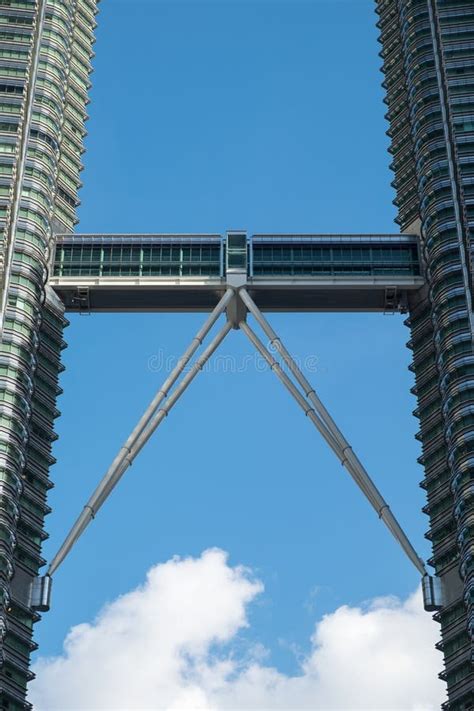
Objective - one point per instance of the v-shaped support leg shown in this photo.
(306, 398)
(151, 419)
(320, 417)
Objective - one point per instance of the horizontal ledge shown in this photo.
(260, 283)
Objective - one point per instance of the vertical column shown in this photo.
(433, 41)
(33, 320)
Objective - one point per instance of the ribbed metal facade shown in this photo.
(428, 62)
(45, 54)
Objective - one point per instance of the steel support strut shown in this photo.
(315, 410)
(148, 423)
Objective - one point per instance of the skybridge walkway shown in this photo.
(180, 272)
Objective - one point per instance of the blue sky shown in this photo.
(267, 116)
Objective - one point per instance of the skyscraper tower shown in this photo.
(428, 62)
(45, 55)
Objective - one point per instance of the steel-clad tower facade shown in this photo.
(428, 62)
(45, 54)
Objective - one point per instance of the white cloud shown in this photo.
(174, 644)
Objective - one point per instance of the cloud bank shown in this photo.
(173, 644)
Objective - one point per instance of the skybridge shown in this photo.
(236, 276)
(189, 272)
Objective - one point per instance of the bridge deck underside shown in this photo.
(100, 296)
